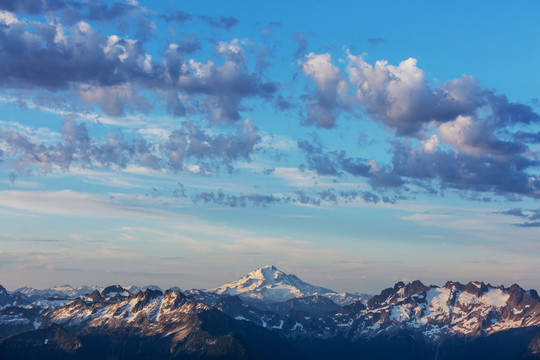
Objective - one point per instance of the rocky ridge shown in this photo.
(430, 314)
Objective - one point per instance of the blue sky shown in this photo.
(188, 143)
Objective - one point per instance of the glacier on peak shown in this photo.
(269, 284)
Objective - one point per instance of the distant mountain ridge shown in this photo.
(239, 319)
(69, 291)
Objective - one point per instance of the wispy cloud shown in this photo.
(69, 203)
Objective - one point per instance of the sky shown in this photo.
(187, 143)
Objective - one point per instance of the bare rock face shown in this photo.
(7, 299)
(411, 314)
(114, 291)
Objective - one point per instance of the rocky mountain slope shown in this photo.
(270, 312)
(148, 324)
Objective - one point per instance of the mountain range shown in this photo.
(269, 314)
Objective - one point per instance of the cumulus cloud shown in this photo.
(454, 134)
(329, 84)
(432, 143)
(476, 136)
(50, 58)
(224, 86)
(401, 97)
(463, 128)
(125, 14)
(115, 73)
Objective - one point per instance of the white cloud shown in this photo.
(8, 18)
(432, 143)
(320, 67)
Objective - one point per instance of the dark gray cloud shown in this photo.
(36, 6)
(531, 215)
(177, 16)
(504, 174)
(186, 147)
(376, 41)
(322, 162)
(241, 200)
(72, 11)
(302, 44)
(98, 10)
(220, 22)
(283, 104)
(500, 174)
(301, 197)
(336, 197)
(526, 137)
(329, 195)
(189, 44)
(332, 163)
(535, 214)
(45, 58)
(210, 151)
(513, 212)
(529, 224)
(94, 10)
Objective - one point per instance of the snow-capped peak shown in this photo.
(269, 284)
(267, 274)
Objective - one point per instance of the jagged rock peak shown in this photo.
(114, 290)
(148, 294)
(95, 296)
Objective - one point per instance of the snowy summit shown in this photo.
(270, 284)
